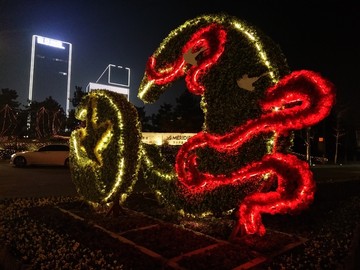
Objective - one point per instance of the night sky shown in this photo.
(317, 35)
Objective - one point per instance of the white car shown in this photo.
(52, 154)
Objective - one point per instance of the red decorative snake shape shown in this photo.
(299, 100)
(199, 41)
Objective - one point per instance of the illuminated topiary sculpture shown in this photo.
(240, 160)
(104, 154)
(251, 103)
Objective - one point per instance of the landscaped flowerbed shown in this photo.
(65, 233)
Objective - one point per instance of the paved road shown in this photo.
(56, 181)
(34, 181)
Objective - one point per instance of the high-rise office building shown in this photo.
(50, 70)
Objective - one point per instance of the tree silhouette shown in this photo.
(185, 116)
(163, 121)
(9, 110)
(9, 96)
(47, 118)
(188, 114)
(78, 95)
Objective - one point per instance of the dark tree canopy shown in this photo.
(47, 118)
(185, 116)
(8, 97)
(78, 95)
(164, 119)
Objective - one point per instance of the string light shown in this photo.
(292, 102)
(105, 153)
(298, 100)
